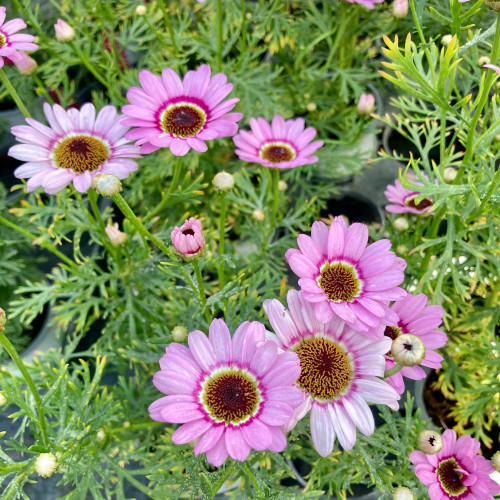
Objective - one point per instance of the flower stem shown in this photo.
(253, 479)
(87, 64)
(275, 195)
(11, 350)
(43, 90)
(129, 214)
(168, 24)
(201, 289)
(219, 35)
(171, 189)
(12, 91)
(395, 369)
(222, 234)
(45, 244)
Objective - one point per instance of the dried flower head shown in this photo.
(429, 442)
(223, 181)
(401, 224)
(449, 175)
(403, 493)
(108, 185)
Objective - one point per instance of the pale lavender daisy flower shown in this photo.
(340, 371)
(76, 147)
(281, 144)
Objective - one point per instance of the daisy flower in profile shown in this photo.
(10, 42)
(76, 147)
(416, 318)
(281, 144)
(367, 3)
(180, 115)
(230, 394)
(456, 472)
(403, 200)
(340, 371)
(341, 276)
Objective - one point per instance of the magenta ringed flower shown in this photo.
(231, 394)
(180, 115)
(403, 200)
(420, 320)
(456, 472)
(283, 144)
(77, 146)
(10, 43)
(339, 372)
(341, 276)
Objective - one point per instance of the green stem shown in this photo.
(168, 24)
(12, 91)
(11, 350)
(342, 24)
(86, 63)
(222, 234)
(395, 369)
(45, 244)
(43, 90)
(129, 214)
(253, 479)
(219, 35)
(481, 99)
(171, 189)
(276, 196)
(201, 290)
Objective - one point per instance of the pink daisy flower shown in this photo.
(403, 200)
(180, 115)
(188, 239)
(231, 394)
(456, 472)
(10, 43)
(341, 276)
(417, 318)
(283, 144)
(75, 148)
(339, 372)
(367, 3)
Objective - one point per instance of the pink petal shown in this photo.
(202, 350)
(257, 435)
(237, 447)
(190, 431)
(220, 337)
(322, 432)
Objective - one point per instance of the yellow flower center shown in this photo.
(182, 119)
(81, 153)
(3, 40)
(325, 370)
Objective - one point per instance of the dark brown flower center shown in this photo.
(325, 370)
(393, 332)
(340, 282)
(81, 153)
(188, 231)
(231, 397)
(421, 205)
(277, 152)
(449, 478)
(183, 119)
(3, 40)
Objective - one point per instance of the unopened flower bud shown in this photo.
(408, 350)
(101, 435)
(311, 106)
(366, 104)
(179, 334)
(107, 185)
(3, 319)
(401, 224)
(282, 186)
(25, 64)
(223, 181)
(188, 240)
(46, 464)
(140, 10)
(3, 399)
(449, 175)
(400, 8)
(446, 40)
(64, 32)
(495, 461)
(116, 237)
(403, 493)
(258, 214)
(401, 249)
(429, 442)
(483, 60)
